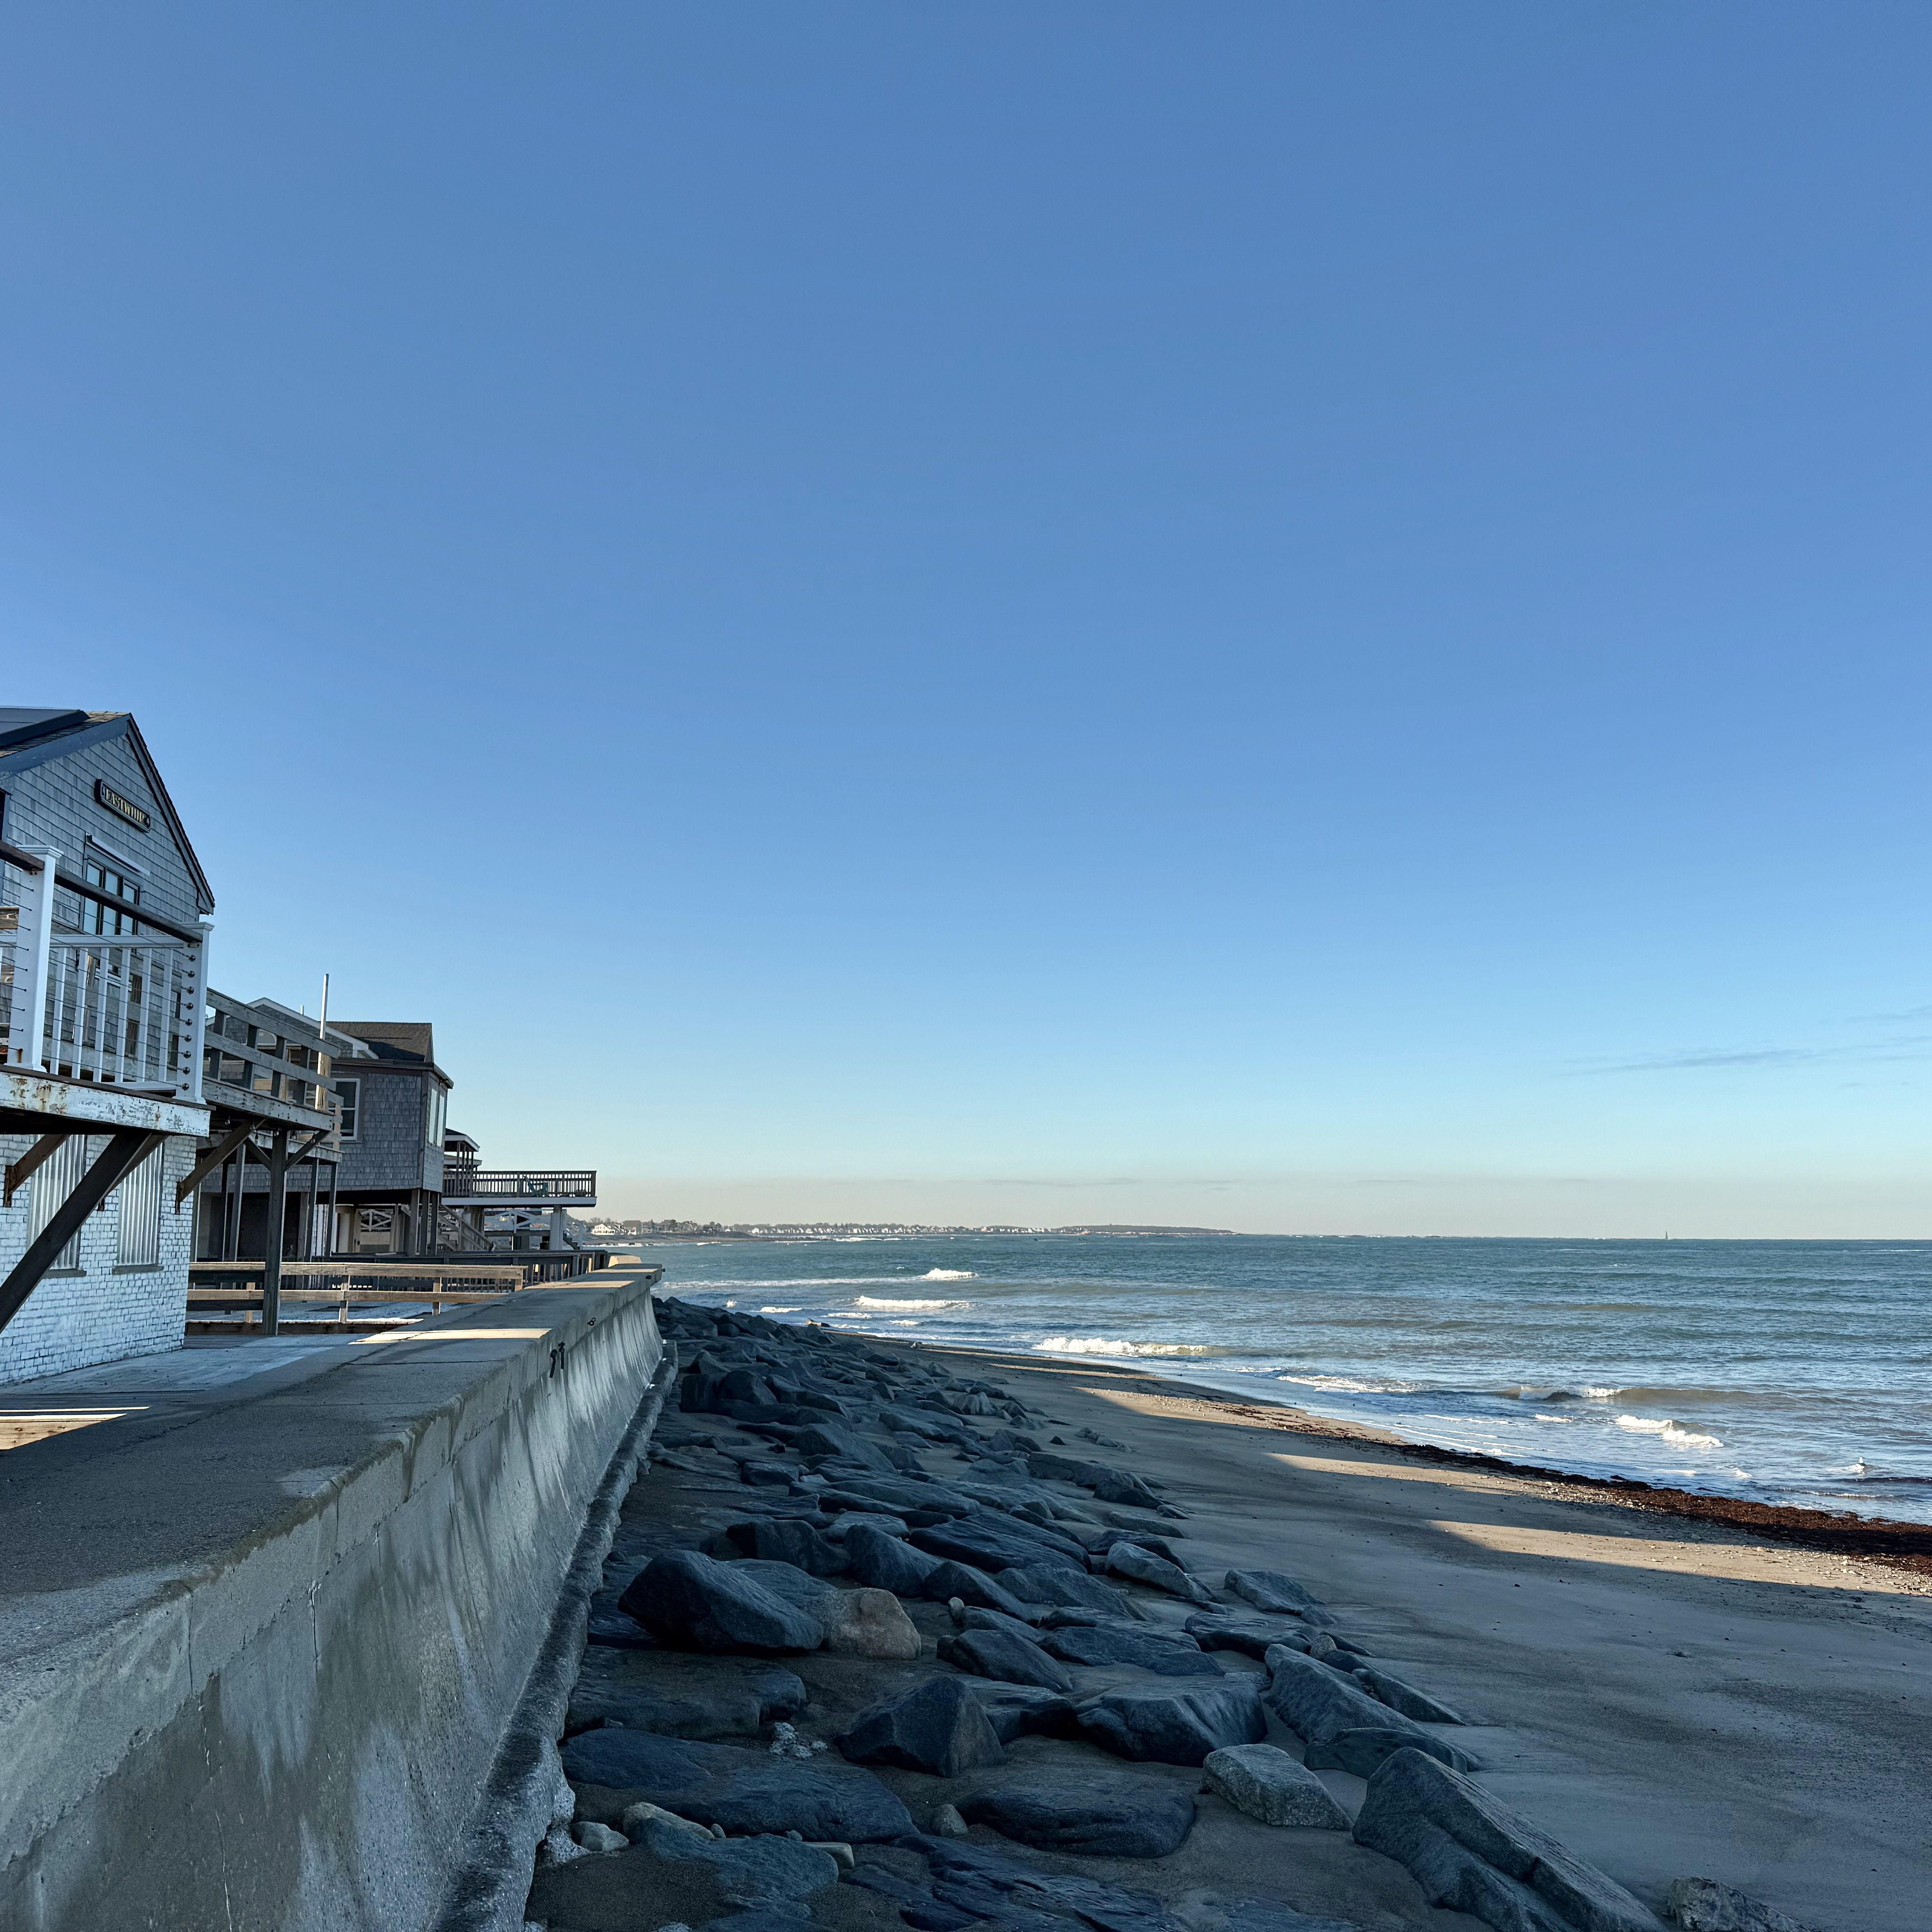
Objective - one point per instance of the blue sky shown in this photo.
(1296, 618)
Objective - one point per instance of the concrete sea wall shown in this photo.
(272, 1694)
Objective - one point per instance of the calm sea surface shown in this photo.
(1792, 1372)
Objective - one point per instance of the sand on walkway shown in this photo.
(1668, 1695)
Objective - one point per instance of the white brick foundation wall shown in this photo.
(104, 1313)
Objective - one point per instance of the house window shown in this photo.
(141, 1215)
(60, 1174)
(439, 1111)
(349, 1093)
(95, 917)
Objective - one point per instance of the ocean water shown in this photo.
(1790, 1371)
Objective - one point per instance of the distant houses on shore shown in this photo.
(150, 1122)
(780, 1231)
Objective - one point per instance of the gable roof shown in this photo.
(20, 726)
(401, 1042)
(29, 738)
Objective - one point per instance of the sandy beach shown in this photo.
(1669, 1694)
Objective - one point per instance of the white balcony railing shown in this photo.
(120, 1011)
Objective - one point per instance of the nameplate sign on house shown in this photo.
(121, 808)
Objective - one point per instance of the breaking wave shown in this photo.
(948, 1274)
(1671, 1432)
(1099, 1345)
(885, 1301)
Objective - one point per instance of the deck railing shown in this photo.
(462, 1183)
(121, 1012)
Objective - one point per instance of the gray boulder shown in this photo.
(784, 1540)
(1122, 1486)
(1148, 1540)
(691, 1602)
(761, 1871)
(819, 1439)
(1175, 1727)
(946, 1580)
(1318, 1704)
(971, 1618)
(1472, 1853)
(1253, 1636)
(680, 1693)
(1058, 1583)
(1282, 1596)
(741, 1791)
(1267, 1783)
(1030, 1709)
(861, 1622)
(939, 1727)
(1129, 1559)
(998, 1654)
(874, 1557)
(1166, 1656)
(1050, 1467)
(1391, 1690)
(991, 1543)
(842, 1526)
(1703, 1905)
(1101, 1814)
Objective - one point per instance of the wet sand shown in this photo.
(1672, 1684)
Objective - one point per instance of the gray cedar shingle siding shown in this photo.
(391, 1148)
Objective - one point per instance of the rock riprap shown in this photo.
(1175, 1727)
(998, 1654)
(940, 1727)
(1103, 1815)
(741, 1791)
(1269, 1590)
(1143, 1566)
(1470, 1852)
(1086, 1686)
(1166, 1655)
(1321, 1705)
(694, 1602)
(1264, 1781)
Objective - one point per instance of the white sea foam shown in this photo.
(1349, 1385)
(885, 1301)
(1099, 1345)
(1671, 1432)
(778, 1311)
(948, 1274)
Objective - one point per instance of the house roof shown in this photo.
(394, 1039)
(400, 1042)
(29, 737)
(20, 726)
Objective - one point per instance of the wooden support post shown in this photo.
(126, 1149)
(207, 1162)
(234, 1190)
(271, 1245)
(23, 1170)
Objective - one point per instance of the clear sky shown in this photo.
(1299, 618)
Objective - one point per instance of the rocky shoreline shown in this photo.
(882, 1645)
